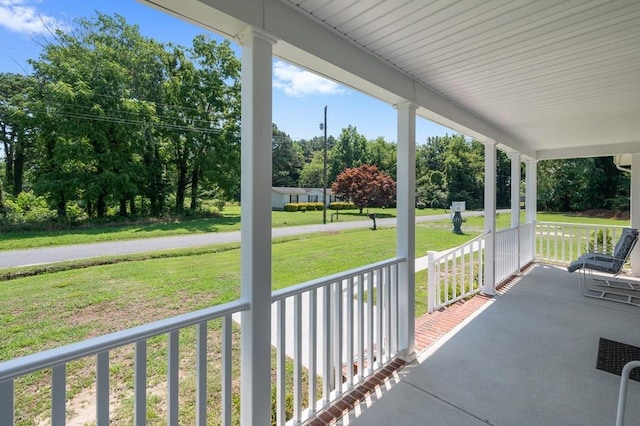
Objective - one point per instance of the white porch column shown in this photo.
(515, 189)
(490, 155)
(634, 201)
(256, 226)
(405, 244)
(531, 197)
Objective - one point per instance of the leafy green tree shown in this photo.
(384, 155)
(311, 146)
(464, 171)
(16, 117)
(94, 115)
(202, 96)
(349, 151)
(431, 155)
(312, 173)
(287, 159)
(563, 183)
(431, 189)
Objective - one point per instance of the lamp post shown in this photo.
(323, 126)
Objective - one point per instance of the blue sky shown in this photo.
(299, 97)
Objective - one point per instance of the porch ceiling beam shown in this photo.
(309, 44)
(603, 150)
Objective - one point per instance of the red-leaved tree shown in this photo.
(365, 186)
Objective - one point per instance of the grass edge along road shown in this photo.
(230, 221)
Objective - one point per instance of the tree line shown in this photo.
(112, 122)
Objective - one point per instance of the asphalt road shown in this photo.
(15, 258)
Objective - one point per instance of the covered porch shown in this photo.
(526, 357)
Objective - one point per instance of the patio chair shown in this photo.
(608, 288)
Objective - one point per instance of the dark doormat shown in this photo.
(612, 357)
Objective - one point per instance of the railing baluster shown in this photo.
(337, 350)
(387, 311)
(454, 274)
(471, 266)
(201, 374)
(481, 264)
(102, 389)
(361, 327)
(326, 326)
(297, 358)
(313, 319)
(281, 418)
(7, 403)
(447, 284)
(379, 313)
(350, 331)
(227, 344)
(140, 384)
(370, 322)
(58, 395)
(173, 378)
(394, 309)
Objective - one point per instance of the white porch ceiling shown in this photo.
(548, 78)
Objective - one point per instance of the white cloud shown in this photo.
(296, 82)
(23, 17)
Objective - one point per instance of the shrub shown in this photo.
(342, 205)
(600, 242)
(421, 205)
(219, 204)
(26, 211)
(302, 207)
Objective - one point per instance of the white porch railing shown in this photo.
(57, 360)
(527, 243)
(456, 274)
(507, 253)
(342, 328)
(336, 331)
(565, 242)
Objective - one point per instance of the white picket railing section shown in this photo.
(507, 253)
(456, 274)
(527, 243)
(565, 242)
(342, 328)
(57, 360)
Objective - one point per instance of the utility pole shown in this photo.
(323, 126)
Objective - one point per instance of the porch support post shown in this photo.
(255, 240)
(635, 210)
(490, 155)
(531, 197)
(405, 244)
(515, 189)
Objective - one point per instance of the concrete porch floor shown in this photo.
(527, 357)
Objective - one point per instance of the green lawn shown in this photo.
(229, 221)
(503, 220)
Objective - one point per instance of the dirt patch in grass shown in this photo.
(605, 214)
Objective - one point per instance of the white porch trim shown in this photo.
(515, 188)
(490, 154)
(531, 196)
(256, 226)
(405, 245)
